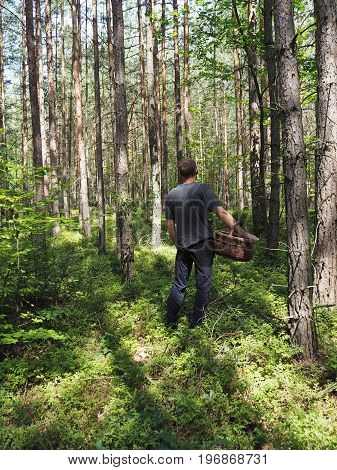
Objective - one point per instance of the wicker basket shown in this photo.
(229, 246)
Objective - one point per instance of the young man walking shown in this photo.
(187, 207)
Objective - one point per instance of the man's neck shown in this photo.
(190, 180)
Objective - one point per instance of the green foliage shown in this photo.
(116, 377)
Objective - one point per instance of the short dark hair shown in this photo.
(187, 168)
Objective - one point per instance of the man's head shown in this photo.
(187, 168)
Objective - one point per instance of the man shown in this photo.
(187, 207)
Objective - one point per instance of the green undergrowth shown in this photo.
(114, 377)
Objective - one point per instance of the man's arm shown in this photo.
(229, 220)
(225, 216)
(171, 230)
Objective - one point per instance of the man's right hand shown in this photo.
(240, 232)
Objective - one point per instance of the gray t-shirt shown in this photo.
(188, 206)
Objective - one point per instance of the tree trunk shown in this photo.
(256, 133)
(145, 138)
(124, 216)
(225, 189)
(2, 87)
(154, 155)
(39, 68)
(239, 129)
(34, 100)
(164, 175)
(325, 262)
(113, 110)
(77, 75)
(3, 150)
(63, 145)
(98, 150)
(24, 122)
(187, 78)
(53, 147)
(274, 204)
(177, 94)
(301, 322)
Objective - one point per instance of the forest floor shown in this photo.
(115, 377)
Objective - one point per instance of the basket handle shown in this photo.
(233, 228)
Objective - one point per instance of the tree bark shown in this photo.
(63, 134)
(77, 75)
(113, 109)
(2, 87)
(256, 133)
(301, 321)
(145, 138)
(325, 259)
(274, 204)
(177, 90)
(39, 68)
(124, 216)
(24, 122)
(98, 149)
(164, 175)
(153, 142)
(187, 78)
(225, 179)
(239, 129)
(34, 100)
(53, 146)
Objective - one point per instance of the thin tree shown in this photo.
(164, 174)
(2, 87)
(98, 149)
(239, 125)
(300, 314)
(124, 216)
(274, 204)
(24, 120)
(77, 76)
(326, 154)
(177, 86)
(145, 139)
(45, 156)
(256, 133)
(53, 145)
(187, 78)
(34, 100)
(63, 132)
(153, 134)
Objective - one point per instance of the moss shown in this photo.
(123, 380)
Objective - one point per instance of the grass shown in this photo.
(117, 378)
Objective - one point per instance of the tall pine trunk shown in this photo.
(144, 108)
(177, 89)
(300, 313)
(239, 128)
(274, 204)
(145, 138)
(326, 154)
(164, 166)
(63, 133)
(2, 87)
(39, 68)
(98, 149)
(124, 202)
(34, 100)
(24, 121)
(187, 78)
(256, 132)
(77, 75)
(53, 145)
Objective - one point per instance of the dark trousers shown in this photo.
(202, 257)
